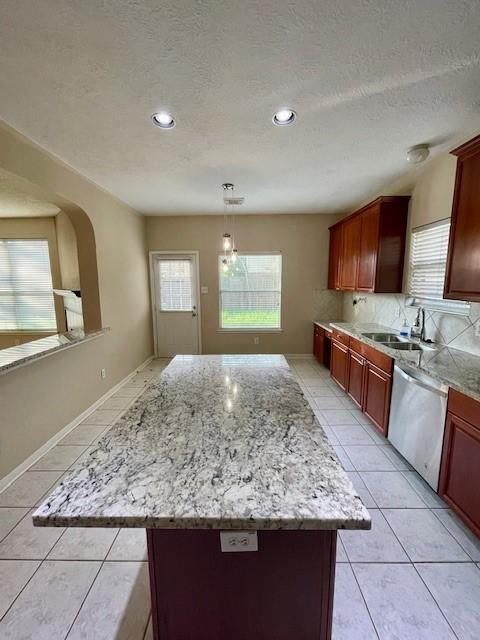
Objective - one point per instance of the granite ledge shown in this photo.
(14, 357)
(458, 369)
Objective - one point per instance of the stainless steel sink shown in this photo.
(404, 346)
(382, 337)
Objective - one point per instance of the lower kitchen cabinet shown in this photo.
(356, 369)
(460, 469)
(339, 364)
(365, 373)
(321, 345)
(377, 394)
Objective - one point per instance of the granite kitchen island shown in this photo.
(221, 454)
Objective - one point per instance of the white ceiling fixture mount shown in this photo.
(418, 153)
(163, 120)
(284, 117)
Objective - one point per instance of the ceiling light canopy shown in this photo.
(418, 153)
(284, 117)
(163, 119)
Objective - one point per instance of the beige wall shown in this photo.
(41, 228)
(303, 242)
(67, 252)
(38, 400)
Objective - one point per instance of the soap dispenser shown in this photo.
(405, 330)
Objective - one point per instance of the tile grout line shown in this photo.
(86, 596)
(102, 562)
(22, 589)
(364, 600)
(434, 599)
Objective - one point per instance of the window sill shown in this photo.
(28, 352)
(249, 330)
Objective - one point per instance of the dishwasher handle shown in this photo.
(441, 391)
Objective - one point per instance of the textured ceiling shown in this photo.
(368, 79)
(19, 199)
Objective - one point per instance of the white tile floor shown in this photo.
(412, 577)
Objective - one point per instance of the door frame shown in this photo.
(152, 256)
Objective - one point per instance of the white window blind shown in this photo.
(251, 291)
(428, 261)
(175, 285)
(26, 292)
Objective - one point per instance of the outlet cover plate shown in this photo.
(237, 541)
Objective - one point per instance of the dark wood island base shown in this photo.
(283, 591)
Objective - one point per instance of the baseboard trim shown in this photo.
(299, 356)
(26, 464)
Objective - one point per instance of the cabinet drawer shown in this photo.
(465, 407)
(341, 337)
(378, 358)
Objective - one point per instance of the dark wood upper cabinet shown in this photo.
(372, 248)
(334, 264)
(460, 469)
(462, 281)
(367, 261)
(350, 254)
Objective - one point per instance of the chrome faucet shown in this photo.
(418, 329)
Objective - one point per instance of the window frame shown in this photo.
(441, 305)
(36, 331)
(249, 329)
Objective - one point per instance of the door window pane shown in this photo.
(175, 285)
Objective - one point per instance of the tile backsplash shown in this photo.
(327, 304)
(458, 332)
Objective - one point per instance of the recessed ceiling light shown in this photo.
(163, 120)
(284, 117)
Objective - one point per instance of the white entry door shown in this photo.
(176, 312)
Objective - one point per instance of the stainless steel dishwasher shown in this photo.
(417, 420)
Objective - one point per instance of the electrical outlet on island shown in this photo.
(103, 374)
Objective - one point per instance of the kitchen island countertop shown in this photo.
(215, 442)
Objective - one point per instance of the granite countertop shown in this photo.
(22, 354)
(457, 369)
(215, 442)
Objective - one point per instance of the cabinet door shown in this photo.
(376, 399)
(339, 364)
(318, 343)
(460, 470)
(367, 262)
(335, 257)
(462, 280)
(356, 367)
(350, 253)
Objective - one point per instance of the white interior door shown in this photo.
(176, 304)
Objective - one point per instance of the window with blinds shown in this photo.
(428, 261)
(175, 285)
(26, 291)
(251, 292)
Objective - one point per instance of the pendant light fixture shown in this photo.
(230, 252)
